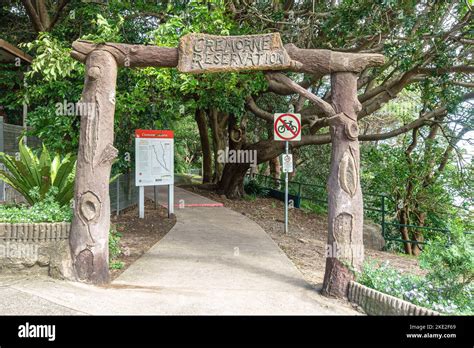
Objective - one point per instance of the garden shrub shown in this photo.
(420, 290)
(252, 187)
(449, 261)
(35, 176)
(46, 210)
(114, 249)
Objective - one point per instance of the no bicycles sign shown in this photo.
(287, 127)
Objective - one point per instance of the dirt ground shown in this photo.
(306, 240)
(139, 235)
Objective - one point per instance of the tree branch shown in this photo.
(464, 84)
(59, 10)
(252, 106)
(417, 123)
(323, 106)
(34, 17)
(327, 61)
(457, 68)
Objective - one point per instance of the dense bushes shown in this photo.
(447, 286)
(47, 210)
(252, 187)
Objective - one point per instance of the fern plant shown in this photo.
(34, 176)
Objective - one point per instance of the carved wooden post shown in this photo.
(91, 222)
(345, 213)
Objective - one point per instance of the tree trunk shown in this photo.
(345, 206)
(275, 171)
(232, 181)
(218, 123)
(274, 168)
(91, 221)
(418, 235)
(403, 218)
(404, 213)
(200, 117)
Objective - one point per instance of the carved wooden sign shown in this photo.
(211, 53)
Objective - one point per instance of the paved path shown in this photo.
(213, 261)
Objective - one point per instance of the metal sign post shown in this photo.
(287, 127)
(286, 191)
(287, 164)
(141, 202)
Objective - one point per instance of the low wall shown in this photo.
(40, 248)
(374, 302)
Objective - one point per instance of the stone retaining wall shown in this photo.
(31, 232)
(374, 302)
(40, 248)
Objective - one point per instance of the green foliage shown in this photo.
(253, 188)
(114, 249)
(444, 196)
(316, 208)
(450, 262)
(420, 290)
(250, 198)
(184, 92)
(10, 92)
(54, 78)
(105, 30)
(187, 144)
(37, 176)
(52, 58)
(47, 210)
(314, 172)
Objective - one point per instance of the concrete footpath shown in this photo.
(213, 261)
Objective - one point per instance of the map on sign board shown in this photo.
(154, 157)
(287, 127)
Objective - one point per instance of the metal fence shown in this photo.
(10, 135)
(375, 205)
(123, 193)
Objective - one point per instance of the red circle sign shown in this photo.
(294, 133)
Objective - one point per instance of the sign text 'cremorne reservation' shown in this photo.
(211, 53)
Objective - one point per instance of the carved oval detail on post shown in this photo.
(84, 264)
(89, 206)
(352, 130)
(348, 173)
(343, 228)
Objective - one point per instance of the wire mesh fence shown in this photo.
(123, 193)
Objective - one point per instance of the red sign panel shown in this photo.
(151, 133)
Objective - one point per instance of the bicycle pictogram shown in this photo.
(287, 127)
